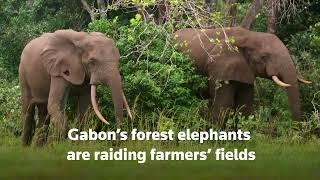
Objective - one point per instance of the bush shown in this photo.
(10, 108)
(305, 47)
(271, 102)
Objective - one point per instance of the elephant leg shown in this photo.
(28, 110)
(221, 101)
(43, 132)
(43, 125)
(59, 90)
(25, 94)
(29, 125)
(244, 99)
(42, 114)
(83, 104)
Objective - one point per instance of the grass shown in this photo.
(275, 159)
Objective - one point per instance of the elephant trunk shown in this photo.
(290, 77)
(114, 83)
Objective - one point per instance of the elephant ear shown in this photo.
(226, 64)
(63, 58)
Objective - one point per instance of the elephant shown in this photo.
(67, 63)
(232, 58)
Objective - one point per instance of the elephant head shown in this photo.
(269, 58)
(63, 58)
(101, 61)
(98, 61)
(257, 55)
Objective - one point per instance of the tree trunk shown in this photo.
(144, 14)
(272, 16)
(231, 11)
(208, 5)
(30, 3)
(88, 9)
(162, 11)
(255, 6)
(102, 8)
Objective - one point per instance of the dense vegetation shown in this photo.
(161, 84)
(164, 90)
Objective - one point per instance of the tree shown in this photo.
(254, 9)
(271, 16)
(208, 5)
(88, 9)
(231, 11)
(102, 8)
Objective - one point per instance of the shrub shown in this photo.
(10, 108)
(305, 47)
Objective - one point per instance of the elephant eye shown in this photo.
(265, 58)
(67, 73)
(91, 61)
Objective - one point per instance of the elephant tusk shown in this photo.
(279, 82)
(304, 81)
(127, 106)
(94, 104)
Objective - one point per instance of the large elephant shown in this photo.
(56, 65)
(232, 58)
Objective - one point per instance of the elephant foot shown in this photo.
(60, 128)
(41, 136)
(41, 141)
(26, 139)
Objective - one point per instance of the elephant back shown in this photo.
(196, 44)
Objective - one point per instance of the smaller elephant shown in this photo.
(232, 58)
(67, 63)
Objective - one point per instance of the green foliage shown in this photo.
(300, 22)
(22, 21)
(10, 119)
(315, 38)
(305, 48)
(155, 76)
(271, 102)
(265, 125)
